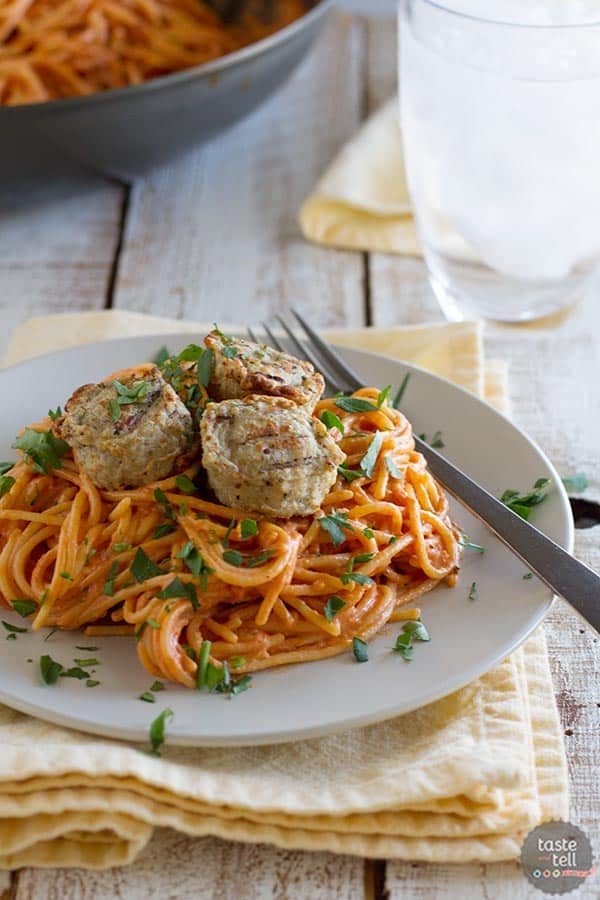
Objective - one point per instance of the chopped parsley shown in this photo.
(360, 558)
(527, 576)
(191, 353)
(217, 676)
(241, 685)
(66, 575)
(179, 589)
(55, 414)
(360, 649)
(225, 338)
(401, 390)
(194, 561)
(109, 585)
(411, 632)
(575, 484)
(469, 545)
(334, 525)
(330, 420)
(42, 449)
(24, 607)
(248, 528)
(436, 441)
(91, 683)
(50, 669)
(253, 561)
(201, 671)
(162, 499)
(134, 394)
(473, 593)
(356, 577)
(522, 504)
(147, 697)
(126, 396)
(369, 533)
(230, 527)
(75, 672)
(6, 482)
(355, 405)
(162, 530)
(157, 686)
(143, 567)
(152, 623)
(13, 629)
(121, 548)
(333, 606)
(369, 460)
(384, 396)
(204, 368)
(350, 474)
(233, 557)
(157, 731)
(161, 357)
(185, 484)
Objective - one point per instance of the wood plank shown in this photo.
(399, 289)
(215, 236)
(544, 379)
(248, 256)
(56, 250)
(176, 866)
(5, 885)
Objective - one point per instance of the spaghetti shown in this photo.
(62, 48)
(180, 570)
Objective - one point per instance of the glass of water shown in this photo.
(500, 111)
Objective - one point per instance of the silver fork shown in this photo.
(560, 571)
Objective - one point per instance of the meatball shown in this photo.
(268, 455)
(242, 367)
(129, 430)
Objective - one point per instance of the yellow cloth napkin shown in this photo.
(362, 202)
(461, 779)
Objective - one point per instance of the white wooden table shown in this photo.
(216, 236)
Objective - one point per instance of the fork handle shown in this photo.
(560, 571)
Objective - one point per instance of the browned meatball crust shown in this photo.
(128, 430)
(268, 455)
(242, 367)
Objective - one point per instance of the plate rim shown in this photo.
(358, 720)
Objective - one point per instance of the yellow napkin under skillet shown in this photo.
(362, 202)
(461, 779)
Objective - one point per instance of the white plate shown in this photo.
(301, 701)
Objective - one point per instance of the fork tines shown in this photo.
(338, 375)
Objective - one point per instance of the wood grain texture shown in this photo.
(184, 253)
(399, 290)
(550, 364)
(175, 867)
(5, 885)
(217, 233)
(56, 250)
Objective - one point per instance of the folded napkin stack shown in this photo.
(462, 779)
